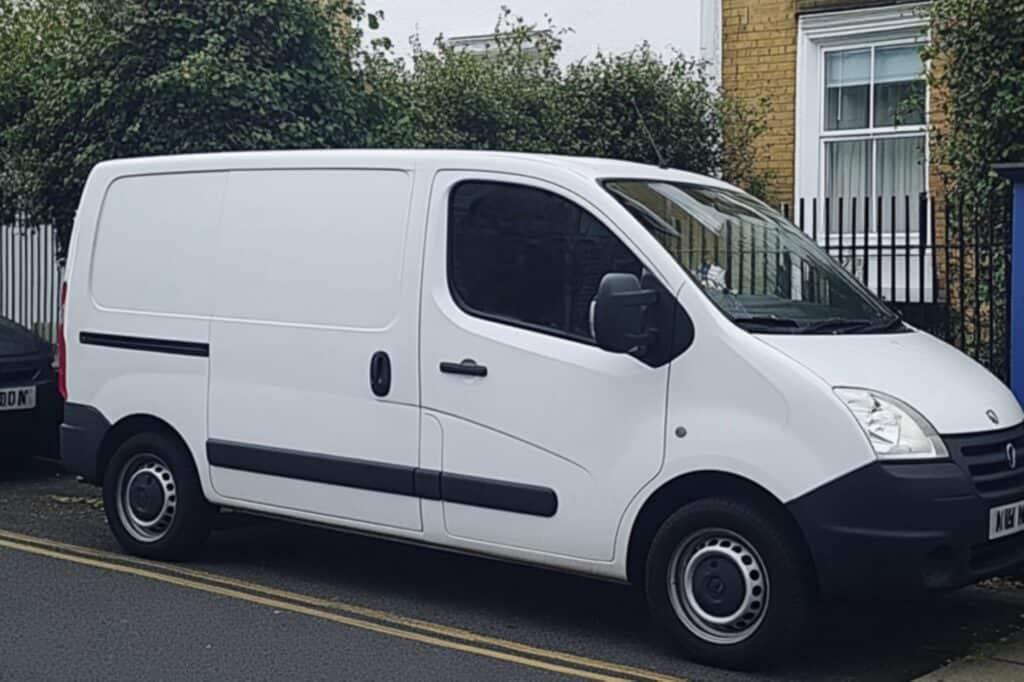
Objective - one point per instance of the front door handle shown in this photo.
(467, 368)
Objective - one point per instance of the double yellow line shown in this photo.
(373, 620)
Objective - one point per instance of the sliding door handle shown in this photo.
(467, 368)
(380, 374)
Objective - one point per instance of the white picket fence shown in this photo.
(30, 277)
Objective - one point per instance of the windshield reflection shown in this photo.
(756, 266)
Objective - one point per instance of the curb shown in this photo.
(1000, 662)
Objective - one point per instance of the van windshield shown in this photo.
(757, 267)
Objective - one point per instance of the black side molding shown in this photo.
(352, 473)
(484, 492)
(152, 345)
(386, 478)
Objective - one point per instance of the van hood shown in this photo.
(951, 390)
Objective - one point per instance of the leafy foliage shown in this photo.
(977, 49)
(977, 77)
(83, 82)
(633, 106)
(92, 81)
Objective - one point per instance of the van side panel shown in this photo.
(155, 243)
(314, 276)
(146, 299)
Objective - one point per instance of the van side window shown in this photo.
(528, 257)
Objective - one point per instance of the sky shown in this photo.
(609, 25)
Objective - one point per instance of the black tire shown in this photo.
(167, 494)
(723, 542)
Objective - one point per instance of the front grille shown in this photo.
(986, 459)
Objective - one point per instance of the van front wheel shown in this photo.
(730, 582)
(153, 499)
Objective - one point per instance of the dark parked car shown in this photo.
(30, 404)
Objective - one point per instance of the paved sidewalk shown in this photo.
(999, 662)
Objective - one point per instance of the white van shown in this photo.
(627, 372)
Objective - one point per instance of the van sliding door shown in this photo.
(314, 386)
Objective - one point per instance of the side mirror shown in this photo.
(618, 314)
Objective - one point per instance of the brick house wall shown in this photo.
(759, 62)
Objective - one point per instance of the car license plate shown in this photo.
(17, 398)
(1005, 520)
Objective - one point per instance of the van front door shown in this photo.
(545, 437)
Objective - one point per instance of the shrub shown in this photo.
(635, 106)
(83, 82)
(93, 81)
(977, 48)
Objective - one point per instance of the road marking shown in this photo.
(306, 611)
(437, 634)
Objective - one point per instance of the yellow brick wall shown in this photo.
(759, 39)
(759, 61)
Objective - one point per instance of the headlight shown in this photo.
(895, 429)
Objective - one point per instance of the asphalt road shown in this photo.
(270, 600)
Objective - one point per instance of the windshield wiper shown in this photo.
(833, 325)
(838, 324)
(772, 323)
(894, 323)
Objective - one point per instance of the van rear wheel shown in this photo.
(153, 499)
(730, 582)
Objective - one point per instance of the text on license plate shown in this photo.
(1006, 520)
(17, 398)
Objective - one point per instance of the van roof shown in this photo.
(588, 167)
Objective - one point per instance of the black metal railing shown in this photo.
(944, 265)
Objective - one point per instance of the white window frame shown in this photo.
(818, 35)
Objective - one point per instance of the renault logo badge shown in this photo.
(992, 416)
(1011, 455)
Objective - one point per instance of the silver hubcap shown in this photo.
(718, 586)
(146, 497)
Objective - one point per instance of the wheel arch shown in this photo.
(682, 490)
(127, 427)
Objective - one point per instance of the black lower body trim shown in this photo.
(152, 345)
(386, 478)
(81, 435)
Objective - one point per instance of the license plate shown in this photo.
(17, 398)
(1005, 520)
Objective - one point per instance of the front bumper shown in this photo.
(911, 527)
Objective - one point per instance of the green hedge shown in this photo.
(82, 82)
(636, 106)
